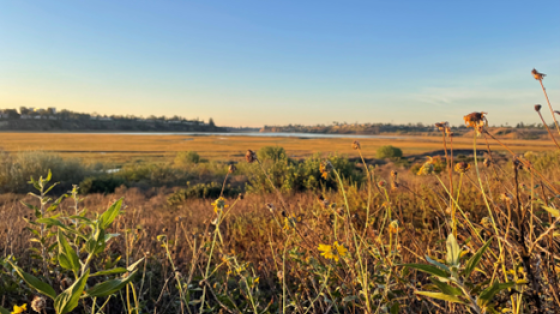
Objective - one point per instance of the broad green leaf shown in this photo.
(54, 205)
(110, 214)
(34, 282)
(118, 270)
(475, 259)
(453, 251)
(445, 288)
(429, 269)
(487, 294)
(440, 296)
(66, 249)
(109, 287)
(68, 299)
(52, 222)
(4, 311)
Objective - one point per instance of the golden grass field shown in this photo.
(125, 147)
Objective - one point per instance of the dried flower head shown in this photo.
(462, 167)
(476, 120)
(427, 167)
(506, 197)
(356, 145)
(537, 75)
(381, 183)
(394, 174)
(271, 207)
(232, 168)
(538, 108)
(38, 304)
(250, 156)
(394, 186)
(487, 162)
(442, 125)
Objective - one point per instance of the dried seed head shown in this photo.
(250, 156)
(506, 197)
(394, 174)
(448, 210)
(462, 167)
(381, 183)
(394, 186)
(280, 275)
(232, 168)
(537, 75)
(270, 207)
(38, 304)
(442, 125)
(538, 108)
(476, 120)
(487, 162)
(356, 145)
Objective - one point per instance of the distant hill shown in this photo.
(49, 120)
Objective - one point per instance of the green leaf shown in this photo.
(395, 308)
(487, 294)
(440, 296)
(34, 282)
(54, 205)
(475, 259)
(118, 270)
(438, 264)
(445, 288)
(453, 251)
(65, 249)
(4, 311)
(52, 222)
(429, 269)
(110, 214)
(68, 299)
(109, 287)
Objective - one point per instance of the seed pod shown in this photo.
(250, 156)
(538, 108)
(356, 145)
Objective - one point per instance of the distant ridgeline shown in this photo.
(520, 131)
(31, 119)
(345, 128)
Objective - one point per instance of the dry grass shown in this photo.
(123, 148)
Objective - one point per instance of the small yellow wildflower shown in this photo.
(19, 309)
(340, 249)
(219, 204)
(333, 252)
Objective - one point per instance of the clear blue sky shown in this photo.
(278, 62)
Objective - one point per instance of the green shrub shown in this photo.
(389, 151)
(16, 170)
(202, 190)
(273, 153)
(187, 158)
(102, 184)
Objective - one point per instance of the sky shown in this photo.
(255, 63)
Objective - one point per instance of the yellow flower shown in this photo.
(342, 251)
(19, 309)
(333, 252)
(327, 252)
(219, 204)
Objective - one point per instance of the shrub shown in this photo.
(202, 190)
(187, 158)
(16, 171)
(389, 151)
(273, 153)
(102, 184)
